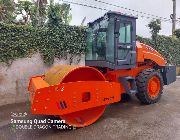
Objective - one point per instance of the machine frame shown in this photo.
(80, 94)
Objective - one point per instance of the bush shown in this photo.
(23, 41)
(17, 41)
(177, 33)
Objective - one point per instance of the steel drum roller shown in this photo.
(68, 73)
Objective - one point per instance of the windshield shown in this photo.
(96, 41)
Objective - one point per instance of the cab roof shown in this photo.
(112, 13)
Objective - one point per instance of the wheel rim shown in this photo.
(154, 86)
(65, 74)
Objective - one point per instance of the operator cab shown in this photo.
(111, 42)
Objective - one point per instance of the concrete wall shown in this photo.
(14, 79)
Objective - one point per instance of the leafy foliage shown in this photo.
(40, 12)
(36, 13)
(26, 10)
(155, 27)
(33, 13)
(7, 9)
(58, 14)
(167, 46)
(177, 33)
(19, 41)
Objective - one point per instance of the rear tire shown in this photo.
(150, 85)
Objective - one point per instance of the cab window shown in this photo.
(125, 33)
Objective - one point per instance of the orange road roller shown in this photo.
(115, 64)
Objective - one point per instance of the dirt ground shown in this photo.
(123, 121)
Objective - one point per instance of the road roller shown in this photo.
(115, 64)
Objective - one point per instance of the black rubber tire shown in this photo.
(142, 86)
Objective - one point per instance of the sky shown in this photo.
(161, 8)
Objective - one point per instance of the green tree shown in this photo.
(155, 27)
(34, 12)
(25, 8)
(58, 14)
(177, 33)
(65, 13)
(41, 11)
(7, 9)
